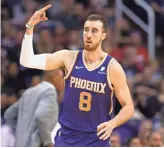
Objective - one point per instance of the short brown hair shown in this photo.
(98, 17)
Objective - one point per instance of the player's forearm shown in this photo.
(27, 57)
(124, 115)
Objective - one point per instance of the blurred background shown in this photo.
(135, 38)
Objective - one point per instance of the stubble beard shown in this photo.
(92, 47)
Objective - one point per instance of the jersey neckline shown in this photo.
(85, 64)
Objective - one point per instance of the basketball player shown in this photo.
(92, 78)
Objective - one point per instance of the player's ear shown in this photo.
(104, 36)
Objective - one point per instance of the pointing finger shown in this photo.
(46, 8)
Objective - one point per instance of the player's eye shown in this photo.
(86, 29)
(94, 30)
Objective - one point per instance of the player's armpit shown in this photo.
(54, 61)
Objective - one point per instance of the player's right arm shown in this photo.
(46, 61)
(41, 61)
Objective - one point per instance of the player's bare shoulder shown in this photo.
(116, 71)
(116, 66)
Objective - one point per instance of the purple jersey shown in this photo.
(88, 95)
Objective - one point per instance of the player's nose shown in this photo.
(89, 34)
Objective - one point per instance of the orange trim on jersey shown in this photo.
(85, 64)
(108, 74)
(111, 107)
(73, 63)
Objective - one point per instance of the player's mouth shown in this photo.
(88, 42)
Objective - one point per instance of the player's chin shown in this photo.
(89, 47)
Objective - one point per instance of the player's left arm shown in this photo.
(121, 89)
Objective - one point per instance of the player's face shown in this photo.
(93, 35)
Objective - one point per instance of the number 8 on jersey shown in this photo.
(85, 101)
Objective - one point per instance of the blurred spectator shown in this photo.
(80, 13)
(123, 31)
(35, 80)
(12, 78)
(161, 90)
(148, 76)
(41, 103)
(59, 39)
(7, 99)
(144, 131)
(147, 101)
(160, 98)
(23, 11)
(14, 51)
(161, 131)
(137, 41)
(97, 5)
(158, 6)
(109, 45)
(156, 72)
(135, 142)
(5, 61)
(56, 8)
(129, 64)
(115, 140)
(45, 43)
(150, 107)
(155, 140)
(67, 16)
(74, 40)
(6, 11)
(8, 34)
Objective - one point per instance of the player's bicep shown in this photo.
(56, 60)
(118, 79)
(123, 95)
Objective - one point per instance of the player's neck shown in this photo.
(94, 56)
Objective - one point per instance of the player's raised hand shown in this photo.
(104, 130)
(39, 16)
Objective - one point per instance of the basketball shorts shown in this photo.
(67, 137)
